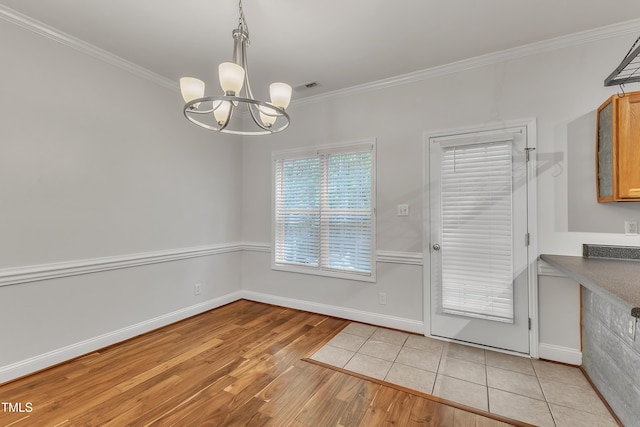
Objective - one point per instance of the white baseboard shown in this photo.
(54, 357)
(342, 312)
(560, 354)
(34, 364)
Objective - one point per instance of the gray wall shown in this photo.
(97, 165)
(555, 86)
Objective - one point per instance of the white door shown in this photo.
(479, 238)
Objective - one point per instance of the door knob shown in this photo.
(436, 247)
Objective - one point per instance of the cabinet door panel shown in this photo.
(629, 147)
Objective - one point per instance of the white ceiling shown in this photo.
(339, 43)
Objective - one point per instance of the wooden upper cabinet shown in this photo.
(618, 149)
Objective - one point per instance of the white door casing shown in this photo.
(463, 251)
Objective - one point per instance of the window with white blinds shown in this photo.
(324, 211)
(477, 264)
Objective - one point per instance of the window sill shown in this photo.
(359, 277)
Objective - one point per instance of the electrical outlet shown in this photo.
(631, 228)
(382, 298)
(196, 289)
(403, 210)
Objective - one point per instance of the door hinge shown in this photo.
(529, 323)
(527, 239)
(527, 151)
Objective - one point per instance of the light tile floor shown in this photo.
(529, 390)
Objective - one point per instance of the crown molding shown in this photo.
(587, 36)
(562, 42)
(54, 34)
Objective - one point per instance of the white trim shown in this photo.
(560, 354)
(532, 218)
(360, 146)
(36, 363)
(392, 257)
(546, 269)
(256, 246)
(561, 42)
(387, 321)
(396, 257)
(532, 228)
(365, 144)
(32, 273)
(54, 34)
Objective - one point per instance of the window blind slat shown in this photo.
(477, 231)
(324, 214)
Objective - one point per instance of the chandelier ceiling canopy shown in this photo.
(223, 113)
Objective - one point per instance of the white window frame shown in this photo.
(356, 146)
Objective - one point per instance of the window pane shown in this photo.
(301, 236)
(301, 183)
(349, 242)
(349, 181)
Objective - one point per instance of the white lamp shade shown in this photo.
(191, 88)
(280, 94)
(221, 112)
(231, 77)
(268, 116)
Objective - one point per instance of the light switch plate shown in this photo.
(631, 228)
(403, 210)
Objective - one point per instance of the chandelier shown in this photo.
(217, 112)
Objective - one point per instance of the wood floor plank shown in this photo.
(237, 365)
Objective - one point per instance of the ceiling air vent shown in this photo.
(306, 86)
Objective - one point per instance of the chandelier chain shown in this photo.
(242, 21)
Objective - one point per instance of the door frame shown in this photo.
(532, 222)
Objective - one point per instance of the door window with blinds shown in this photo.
(476, 224)
(324, 216)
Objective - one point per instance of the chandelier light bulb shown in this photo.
(280, 94)
(268, 116)
(191, 88)
(221, 112)
(231, 77)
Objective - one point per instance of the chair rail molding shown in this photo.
(394, 257)
(33, 273)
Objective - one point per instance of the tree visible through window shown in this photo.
(324, 210)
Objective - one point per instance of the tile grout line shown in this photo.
(486, 381)
(544, 394)
(433, 388)
(396, 358)
(438, 375)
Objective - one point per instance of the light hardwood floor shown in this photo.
(238, 365)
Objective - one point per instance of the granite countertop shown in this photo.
(615, 279)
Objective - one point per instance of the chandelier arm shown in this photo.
(257, 120)
(228, 119)
(245, 65)
(190, 111)
(247, 87)
(197, 111)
